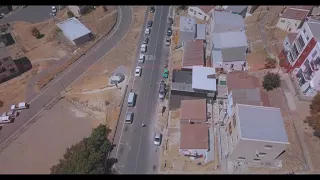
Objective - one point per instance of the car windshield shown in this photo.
(157, 139)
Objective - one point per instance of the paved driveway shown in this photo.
(29, 14)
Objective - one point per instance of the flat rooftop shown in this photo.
(194, 136)
(203, 78)
(193, 109)
(72, 28)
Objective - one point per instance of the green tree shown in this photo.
(314, 118)
(70, 14)
(315, 105)
(271, 81)
(35, 32)
(270, 63)
(88, 156)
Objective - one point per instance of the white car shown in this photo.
(143, 48)
(54, 9)
(20, 106)
(147, 31)
(138, 71)
(142, 57)
(157, 139)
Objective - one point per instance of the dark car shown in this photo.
(1, 15)
(169, 32)
(145, 40)
(150, 22)
(152, 9)
(170, 21)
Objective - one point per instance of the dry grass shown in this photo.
(253, 32)
(256, 61)
(162, 119)
(176, 60)
(174, 119)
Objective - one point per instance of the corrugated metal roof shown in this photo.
(201, 31)
(295, 14)
(247, 96)
(261, 123)
(217, 56)
(233, 54)
(200, 78)
(193, 53)
(195, 109)
(194, 136)
(187, 24)
(225, 21)
(241, 80)
(314, 26)
(72, 28)
(230, 39)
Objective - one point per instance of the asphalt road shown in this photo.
(135, 150)
(29, 14)
(45, 99)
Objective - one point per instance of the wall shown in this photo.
(237, 66)
(197, 13)
(289, 25)
(83, 39)
(198, 151)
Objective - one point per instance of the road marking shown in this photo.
(136, 166)
(66, 87)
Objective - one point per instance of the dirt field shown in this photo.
(45, 142)
(256, 61)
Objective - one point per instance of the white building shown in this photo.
(75, 31)
(204, 80)
(255, 134)
(200, 12)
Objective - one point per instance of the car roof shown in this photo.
(157, 135)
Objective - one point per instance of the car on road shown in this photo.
(20, 106)
(143, 48)
(149, 24)
(170, 21)
(132, 99)
(168, 41)
(129, 117)
(169, 31)
(138, 71)
(54, 9)
(147, 31)
(6, 119)
(152, 9)
(162, 90)
(142, 57)
(145, 40)
(11, 113)
(1, 15)
(165, 73)
(157, 139)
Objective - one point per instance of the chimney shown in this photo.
(211, 76)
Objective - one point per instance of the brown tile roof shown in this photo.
(294, 14)
(241, 80)
(193, 109)
(194, 136)
(292, 37)
(309, 8)
(193, 54)
(206, 9)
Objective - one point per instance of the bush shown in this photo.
(70, 14)
(35, 32)
(1, 103)
(271, 81)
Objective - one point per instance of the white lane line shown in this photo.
(78, 62)
(55, 83)
(136, 166)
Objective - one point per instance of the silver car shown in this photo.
(11, 113)
(129, 117)
(157, 139)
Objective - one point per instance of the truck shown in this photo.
(20, 106)
(162, 90)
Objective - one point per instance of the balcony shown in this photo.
(300, 77)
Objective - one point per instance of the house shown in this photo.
(79, 10)
(241, 80)
(204, 80)
(193, 111)
(187, 29)
(221, 22)
(301, 55)
(200, 32)
(240, 10)
(293, 17)
(200, 12)
(8, 67)
(194, 140)
(255, 134)
(75, 31)
(193, 54)
(222, 92)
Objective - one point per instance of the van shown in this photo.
(131, 99)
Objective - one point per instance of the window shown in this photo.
(256, 160)
(234, 121)
(314, 53)
(241, 158)
(300, 43)
(200, 13)
(262, 154)
(282, 21)
(307, 38)
(304, 30)
(191, 10)
(268, 146)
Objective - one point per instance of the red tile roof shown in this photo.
(206, 9)
(193, 109)
(194, 136)
(295, 14)
(292, 37)
(193, 54)
(241, 80)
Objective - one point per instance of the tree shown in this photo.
(270, 63)
(314, 118)
(35, 32)
(1, 103)
(315, 105)
(88, 156)
(271, 81)
(70, 14)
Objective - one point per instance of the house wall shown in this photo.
(237, 66)
(83, 39)
(249, 149)
(289, 25)
(195, 12)
(75, 10)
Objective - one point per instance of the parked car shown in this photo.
(20, 106)
(149, 24)
(6, 119)
(168, 41)
(129, 117)
(157, 139)
(162, 90)
(152, 9)
(169, 32)
(143, 48)
(170, 21)
(1, 15)
(142, 57)
(145, 40)
(138, 71)
(147, 31)
(11, 113)
(54, 9)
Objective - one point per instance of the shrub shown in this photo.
(70, 14)
(1, 103)
(35, 32)
(271, 81)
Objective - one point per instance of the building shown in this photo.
(229, 51)
(222, 92)
(240, 10)
(193, 54)
(200, 12)
(221, 22)
(194, 140)
(187, 29)
(204, 80)
(79, 10)
(293, 17)
(75, 31)
(8, 67)
(200, 32)
(255, 134)
(193, 111)
(301, 55)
